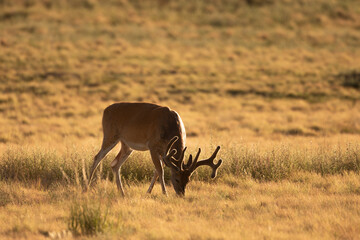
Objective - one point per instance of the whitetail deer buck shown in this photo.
(146, 126)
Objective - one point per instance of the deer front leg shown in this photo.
(156, 158)
(118, 162)
(156, 176)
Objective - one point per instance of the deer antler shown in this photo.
(169, 159)
(179, 162)
(190, 161)
(191, 166)
(171, 143)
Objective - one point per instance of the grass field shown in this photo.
(275, 83)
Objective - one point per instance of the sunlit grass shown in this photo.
(87, 219)
(231, 208)
(275, 83)
(267, 71)
(273, 163)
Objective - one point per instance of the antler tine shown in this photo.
(171, 143)
(169, 157)
(178, 162)
(209, 162)
(190, 164)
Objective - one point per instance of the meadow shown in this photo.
(275, 83)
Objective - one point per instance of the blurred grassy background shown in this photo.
(276, 83)
(236, 69)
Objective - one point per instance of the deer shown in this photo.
(144, 126)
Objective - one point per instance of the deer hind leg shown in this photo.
(160, 171)
(156, 176)
(119, 160)
(107, 145)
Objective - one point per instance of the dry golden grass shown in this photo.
(276, 69)
(293, 189)
(306, 206)
(274, 82)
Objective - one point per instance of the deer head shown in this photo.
(181, 172)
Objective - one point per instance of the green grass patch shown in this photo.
(88, 218)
